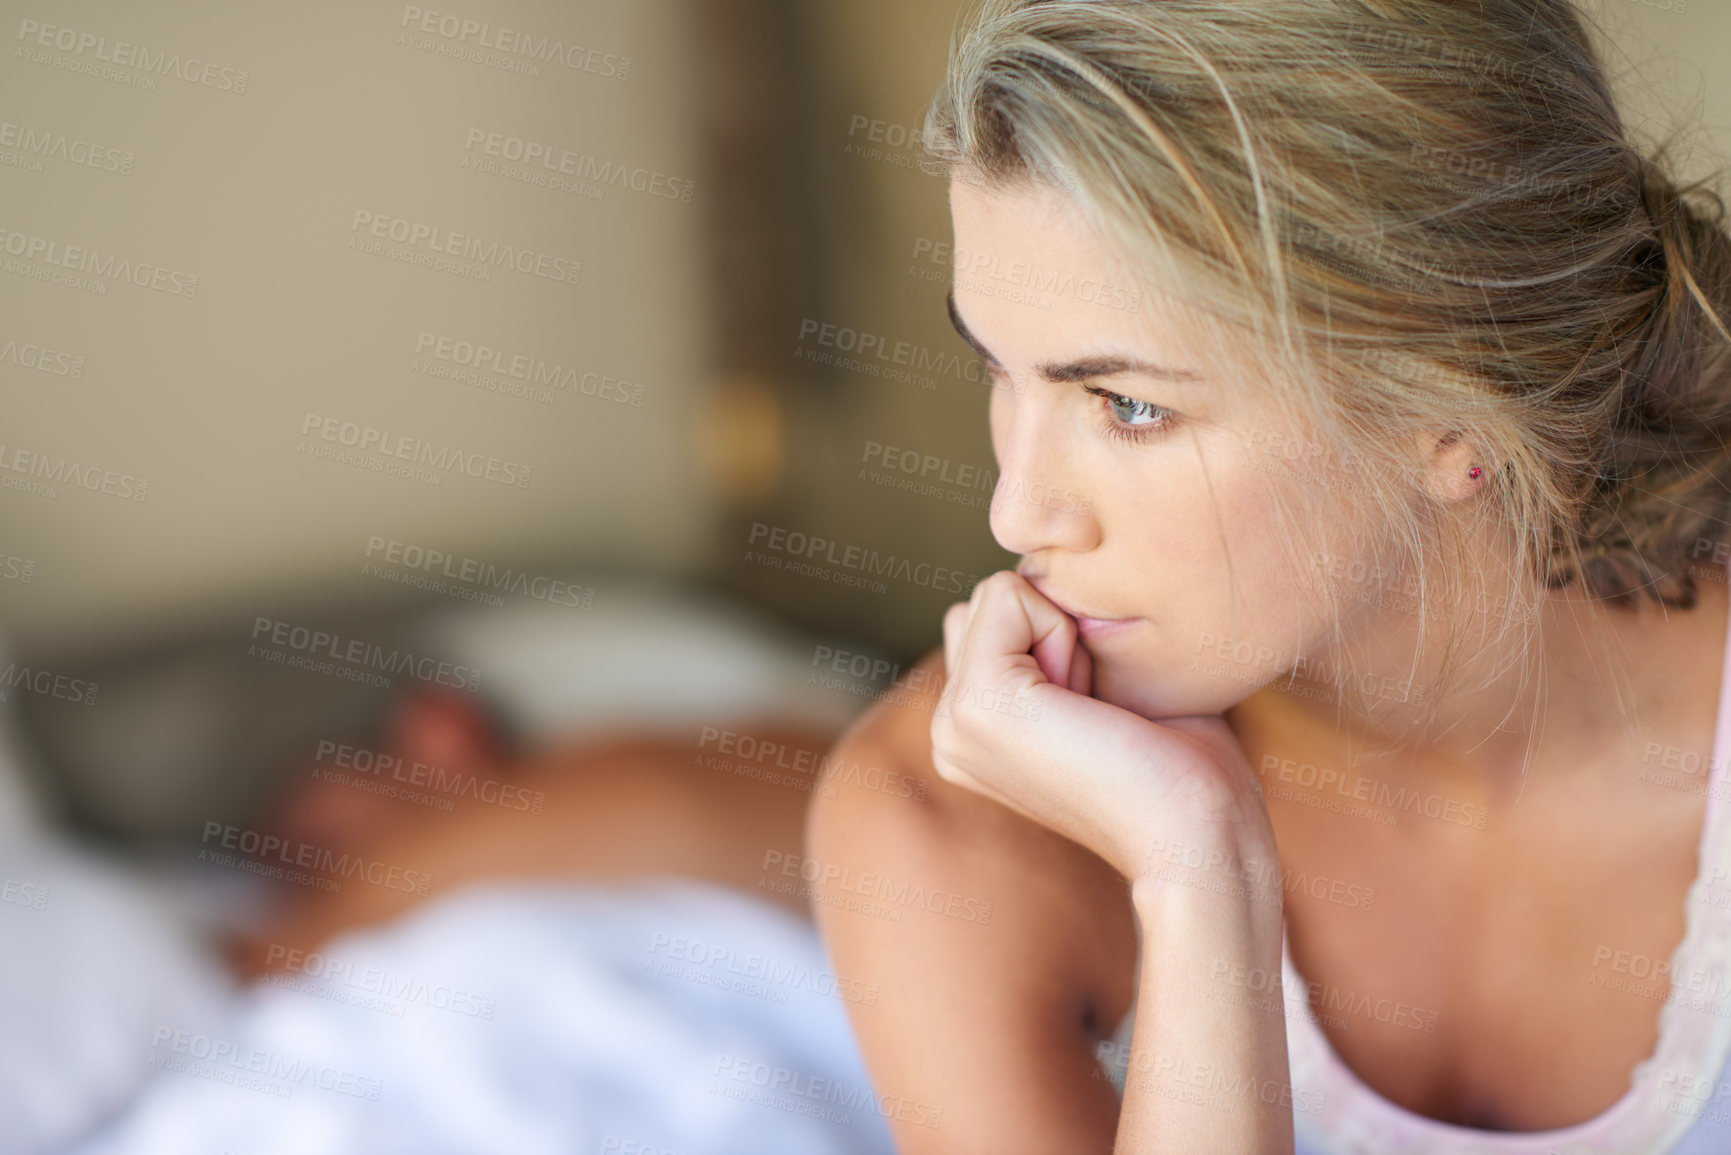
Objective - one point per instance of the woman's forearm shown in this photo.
(1207, 1072)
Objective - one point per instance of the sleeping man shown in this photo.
(577, 920)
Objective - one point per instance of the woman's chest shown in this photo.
(1488, 963)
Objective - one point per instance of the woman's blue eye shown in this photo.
(1129, 419)
(1133, 412)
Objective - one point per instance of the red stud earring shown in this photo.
(1474, 472)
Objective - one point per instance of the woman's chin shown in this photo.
(1174, 694)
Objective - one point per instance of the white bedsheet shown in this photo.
(665, 1017)
(90, 959)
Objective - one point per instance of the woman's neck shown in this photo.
(1594, 672)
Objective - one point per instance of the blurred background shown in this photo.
(351, 346)
(717, 206)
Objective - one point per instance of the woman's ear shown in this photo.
(1454, 467)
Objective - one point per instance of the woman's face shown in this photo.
(1136, 482)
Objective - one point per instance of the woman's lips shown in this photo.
(1087, 627)
(1092, 628)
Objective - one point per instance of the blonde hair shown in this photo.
(1431, 218)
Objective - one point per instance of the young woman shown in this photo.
(1360, 725)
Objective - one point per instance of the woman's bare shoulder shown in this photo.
(886, 803)
(892, 741)
(990, 991)
(898, 725)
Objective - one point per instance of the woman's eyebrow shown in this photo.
(1082, 369)
(1087, 368)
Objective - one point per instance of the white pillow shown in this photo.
(649, 654)
(91, 962)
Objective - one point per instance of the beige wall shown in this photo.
(879, 64)
(205, 395)
(1668, 62)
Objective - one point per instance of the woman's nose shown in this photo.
(1039, 503)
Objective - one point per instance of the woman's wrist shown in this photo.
(1207, 915)
(1231, 869)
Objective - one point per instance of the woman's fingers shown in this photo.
(1018, 724)
(955, 631)
(1011, 621)
(1081, 671)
